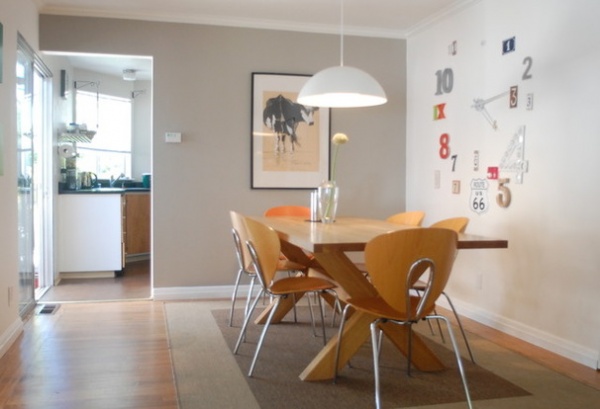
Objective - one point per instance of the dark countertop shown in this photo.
(105, 190)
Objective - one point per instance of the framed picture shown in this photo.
(290, 142)
(1, 50)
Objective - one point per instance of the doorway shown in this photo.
(95, 84)
(34, 144)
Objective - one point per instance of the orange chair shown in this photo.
(291, 210)
(414, 218)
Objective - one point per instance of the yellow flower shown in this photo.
(338, 139)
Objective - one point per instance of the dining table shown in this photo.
(326, 249)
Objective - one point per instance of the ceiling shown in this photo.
(385, 18)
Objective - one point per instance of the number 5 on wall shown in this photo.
(503, 197)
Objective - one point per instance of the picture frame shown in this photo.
(1, 51)
(290, 142)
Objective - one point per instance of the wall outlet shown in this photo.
(479, 281)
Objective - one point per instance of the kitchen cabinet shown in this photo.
(136, 223)
(90, 233)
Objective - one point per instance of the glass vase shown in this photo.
(328, 194)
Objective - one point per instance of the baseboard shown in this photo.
(565, 348)
(87, 274)
(10, 336)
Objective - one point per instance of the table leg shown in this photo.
(356, 329)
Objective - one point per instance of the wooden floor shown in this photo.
(102, 355)
(116, 355)
(134, 284)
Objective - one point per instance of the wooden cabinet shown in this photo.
(136, 223)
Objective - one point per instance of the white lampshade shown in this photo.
(342, 87)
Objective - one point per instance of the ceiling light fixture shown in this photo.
(342, 86)
(129, 75)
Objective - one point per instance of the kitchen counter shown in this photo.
(105, 190)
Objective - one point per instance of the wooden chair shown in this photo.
(288, 210)
(245, 266)
(414, 218)
(396, 261)
(459, 225)
(264, 247)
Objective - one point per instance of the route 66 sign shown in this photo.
(479, 201)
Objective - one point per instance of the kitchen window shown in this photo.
(109, 153)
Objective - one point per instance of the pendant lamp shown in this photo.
(342, 86)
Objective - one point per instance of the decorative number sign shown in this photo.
(438, 112)
(513, 159)
(514, 97)
(444, 146)
(503, 196)
(508, 45)
(445, 81)
(479, 196)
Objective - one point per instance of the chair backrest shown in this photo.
(389, 258)
(240, 237)
(414, 218)
(264, 247)
(458, 224)
(301, 211)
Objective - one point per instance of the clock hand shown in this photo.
(480, 103)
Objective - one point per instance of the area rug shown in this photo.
(209, 376)
(289, 347)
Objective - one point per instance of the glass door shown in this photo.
(32, 164)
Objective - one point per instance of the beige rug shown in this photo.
(208, 375)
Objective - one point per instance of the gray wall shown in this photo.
(202, 87)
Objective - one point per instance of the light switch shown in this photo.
(456, 187)
(173, 137)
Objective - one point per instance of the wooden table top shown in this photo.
(352, 234)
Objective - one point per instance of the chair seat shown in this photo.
(291, 285)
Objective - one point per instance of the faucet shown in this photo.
(113, 180)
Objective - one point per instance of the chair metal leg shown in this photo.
(339, 343)
(262, 336)
(375, 345)
(234, 295)
(246, 321)
(249, 296)
(409, 355)
(322, 319)
(461, 369)
(462, 331)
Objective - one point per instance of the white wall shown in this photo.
(15, 16)
(545, 286)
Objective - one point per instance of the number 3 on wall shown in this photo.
(503, 197)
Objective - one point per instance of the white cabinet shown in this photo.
(89, 230)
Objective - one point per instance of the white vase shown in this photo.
(328, 194)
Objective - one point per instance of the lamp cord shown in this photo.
(342, 33)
